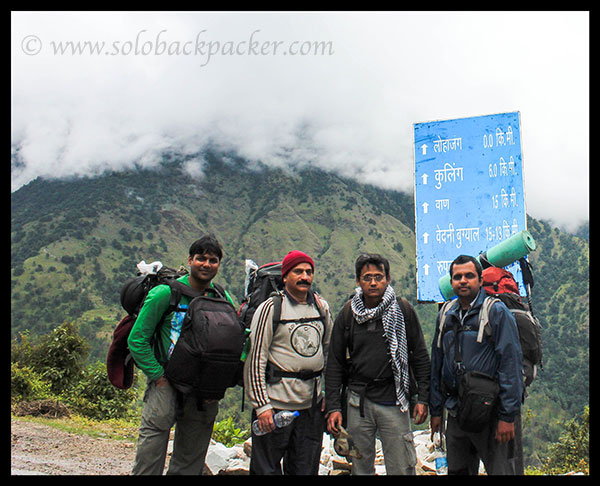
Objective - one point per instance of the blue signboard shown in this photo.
(469, 193)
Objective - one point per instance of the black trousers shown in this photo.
(465, 449)
(298, 444)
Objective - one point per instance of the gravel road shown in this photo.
(39, 449)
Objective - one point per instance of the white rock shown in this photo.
(236, 460)
(218, 457)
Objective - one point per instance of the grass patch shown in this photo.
(115, 429)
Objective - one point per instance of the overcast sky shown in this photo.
(340, 90)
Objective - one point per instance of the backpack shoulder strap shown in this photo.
(403, 303)
(182, 288)
(348, 321)
(277, 299)
(320, 307)
(177, 290)
(443, 312)
(484, 317)
(219, 290)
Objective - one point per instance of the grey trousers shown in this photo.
(395, 434)
(193, 429)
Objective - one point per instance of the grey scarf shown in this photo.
(395, 335)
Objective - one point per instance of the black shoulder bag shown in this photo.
(477, 394)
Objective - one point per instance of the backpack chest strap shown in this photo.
(483, 321)
(277, 302)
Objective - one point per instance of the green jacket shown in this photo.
(150, 316)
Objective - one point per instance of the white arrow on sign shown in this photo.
(424, 177)
(426, 268)
(424, 149)
(425, 237)
(425, 206)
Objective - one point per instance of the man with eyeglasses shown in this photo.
(377, 351)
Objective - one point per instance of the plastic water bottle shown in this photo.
(246, 349)
(280, 419)
(441, 461)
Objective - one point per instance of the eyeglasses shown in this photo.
(367, 278)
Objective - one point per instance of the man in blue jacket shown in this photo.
(497, 355)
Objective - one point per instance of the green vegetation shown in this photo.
(53, 367)
(74, 242)
(226, 432)
(571, 452)
(49, 374)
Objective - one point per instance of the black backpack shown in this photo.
(262, 282)
(530, 331)
(119, 362)
(206, 358)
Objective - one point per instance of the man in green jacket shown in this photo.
(161, 410)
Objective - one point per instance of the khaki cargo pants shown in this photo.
(393, 427)
(193, 429)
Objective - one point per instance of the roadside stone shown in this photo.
(39, 449)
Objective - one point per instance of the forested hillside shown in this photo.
(74, 242)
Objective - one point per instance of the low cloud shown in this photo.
(349, 109)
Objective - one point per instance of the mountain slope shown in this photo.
(74, 242)
(88, 234)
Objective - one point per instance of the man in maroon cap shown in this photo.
(289, 338)
(297, 270)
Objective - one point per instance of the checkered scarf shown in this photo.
(395, 335)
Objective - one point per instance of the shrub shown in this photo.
(228, 434)
(52, 367)
(95, 397)
(26, 384)
(59, 356)
(571, 453)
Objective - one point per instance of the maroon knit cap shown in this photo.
(294, 258)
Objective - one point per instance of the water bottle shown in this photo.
(280, 419)
(246, 348)
(441, 462)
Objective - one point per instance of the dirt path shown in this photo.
(40, 449)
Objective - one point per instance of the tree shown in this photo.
(58, 356)
(52, 367)
(95, 397)
(572, 451)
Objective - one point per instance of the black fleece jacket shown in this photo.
(365, 346)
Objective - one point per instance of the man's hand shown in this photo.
(419, 413)
(162, 381)
(435, 423)
(334, 421)
(265, 421)
(505, 431)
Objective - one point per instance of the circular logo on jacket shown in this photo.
(306, 340)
